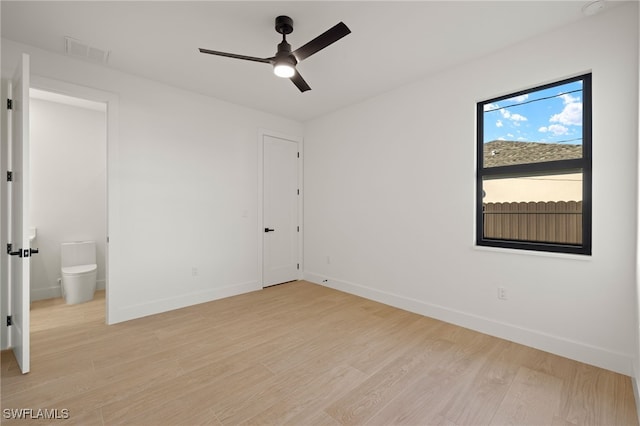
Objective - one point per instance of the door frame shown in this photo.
(112, 262)
(260, 222)
(5, 302)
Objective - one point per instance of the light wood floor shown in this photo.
(298, 354)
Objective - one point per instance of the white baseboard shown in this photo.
(152, 307)
(55, 291)
(45, 293)
(600, 357)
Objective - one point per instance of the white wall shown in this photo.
(68, 187)
(390, 187)
(181, 173)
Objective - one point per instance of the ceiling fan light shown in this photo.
(284, 70)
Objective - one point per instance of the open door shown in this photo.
(19, 249)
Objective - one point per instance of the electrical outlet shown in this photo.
(325, 281)
(502, 293)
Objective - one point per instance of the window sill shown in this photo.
(568, 256)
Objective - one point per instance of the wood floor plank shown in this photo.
(237, 407)
(479, 399)
(532, 399)
(598, 395)
(298, 354)
(385, 341)
(306, 401)
(201, 387)
(440, 391)
(362, 403)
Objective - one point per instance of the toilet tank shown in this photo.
(78, 253)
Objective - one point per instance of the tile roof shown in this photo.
(505, 153)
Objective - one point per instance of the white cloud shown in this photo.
(513, 117)
(522, 138)
(499, 123)
(488, 107)
(558, 129)
(510, 135)
(568, 99)
(501, 138)
(571, 115)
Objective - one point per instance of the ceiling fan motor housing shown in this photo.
(284, 54)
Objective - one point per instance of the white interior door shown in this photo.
(280, 210)
(19, 215)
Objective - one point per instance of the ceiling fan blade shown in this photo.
(299, 82)
(323, 40)
(233, 55)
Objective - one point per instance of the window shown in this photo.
(534, 169)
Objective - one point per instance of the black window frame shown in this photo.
(583, 165)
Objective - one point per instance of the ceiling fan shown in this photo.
(284, 62)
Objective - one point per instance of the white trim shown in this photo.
(506, 250)
(159, 306)
(260, 167)
(4, 217)
(600, 357)
(301, 209)
(55, 292)
(113, 195)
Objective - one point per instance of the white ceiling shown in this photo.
(392, 43)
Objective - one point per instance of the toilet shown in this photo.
(79, 271)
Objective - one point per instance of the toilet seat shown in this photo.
(79, 269)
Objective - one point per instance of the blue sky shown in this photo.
(525, 119)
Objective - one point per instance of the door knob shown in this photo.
(268, 230)
(34, 251)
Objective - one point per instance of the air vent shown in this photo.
(82, 50)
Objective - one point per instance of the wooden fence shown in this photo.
(552, 222)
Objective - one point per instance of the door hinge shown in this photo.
(9, 104)
(298, 266)
(298, 192)
(9, 320)
(298, 229)
(298, 155)
(9, 176)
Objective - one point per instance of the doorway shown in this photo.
(68, 170)
(280, 174)
(83, 93)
